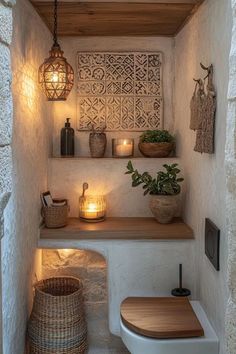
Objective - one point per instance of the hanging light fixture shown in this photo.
(56, 76)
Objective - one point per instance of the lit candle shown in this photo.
(92, 211)
(92, 208)
(122, 147)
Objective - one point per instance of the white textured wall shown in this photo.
(68, 109)
(31, 133)
(207, 39)
(230, 164)
(106, 177)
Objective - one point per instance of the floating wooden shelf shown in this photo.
(83, 158)
(120, 229)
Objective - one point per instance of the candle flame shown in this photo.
(92, 207)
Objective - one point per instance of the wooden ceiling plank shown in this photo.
(191, 14)
(111, 7)
(193, 2)
(101, 18)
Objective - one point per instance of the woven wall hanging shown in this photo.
(196, 105)
(122, 90)
(203, 110)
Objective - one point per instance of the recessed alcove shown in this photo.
(91, 268)
(106, 177)
(143, 261)
(146, 268)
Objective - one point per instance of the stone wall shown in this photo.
(206, 38)
(91, 268)
(6, 113)
(31, 146)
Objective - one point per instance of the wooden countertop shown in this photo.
(120, 229)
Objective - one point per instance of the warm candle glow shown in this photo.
(92, 208)
(55, 77)
(64, 253)
(122, 147)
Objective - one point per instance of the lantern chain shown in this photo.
(55, 23)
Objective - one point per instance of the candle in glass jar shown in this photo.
(92, 208)
(122, 147)
(91, 211)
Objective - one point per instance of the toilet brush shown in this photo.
(180, 291)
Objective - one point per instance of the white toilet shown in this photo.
(206, 343)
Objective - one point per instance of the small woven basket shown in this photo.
(55, 216)
(57, 323)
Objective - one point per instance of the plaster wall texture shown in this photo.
(230, 164)
(106, 177)
(31, 148)
(71, 46)
(206, 39)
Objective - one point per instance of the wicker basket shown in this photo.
(55, 216)
(57, 323)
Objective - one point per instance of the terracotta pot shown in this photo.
(156, 149)
(164, 207)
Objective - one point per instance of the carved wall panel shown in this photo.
(122, 90)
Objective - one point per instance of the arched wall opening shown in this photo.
(91, 268)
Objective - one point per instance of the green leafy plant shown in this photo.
(156, 136)
(165, 183)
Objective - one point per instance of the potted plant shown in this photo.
(164, 190)
(156, 143)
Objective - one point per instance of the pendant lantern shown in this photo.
(56, 76)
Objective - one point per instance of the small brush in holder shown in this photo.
(180, 292)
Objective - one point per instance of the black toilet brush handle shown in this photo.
(180, 277)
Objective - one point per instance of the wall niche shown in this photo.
(91, 268)
(120, 90)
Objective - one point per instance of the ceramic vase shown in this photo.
(97, 144)
(164, 207)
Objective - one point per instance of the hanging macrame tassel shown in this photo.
(201, 117)
(194, 110)
(195, 119)
(199, 142)
(209, 123)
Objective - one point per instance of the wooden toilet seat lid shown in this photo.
(161, 317)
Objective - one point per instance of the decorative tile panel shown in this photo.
(122, 90)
